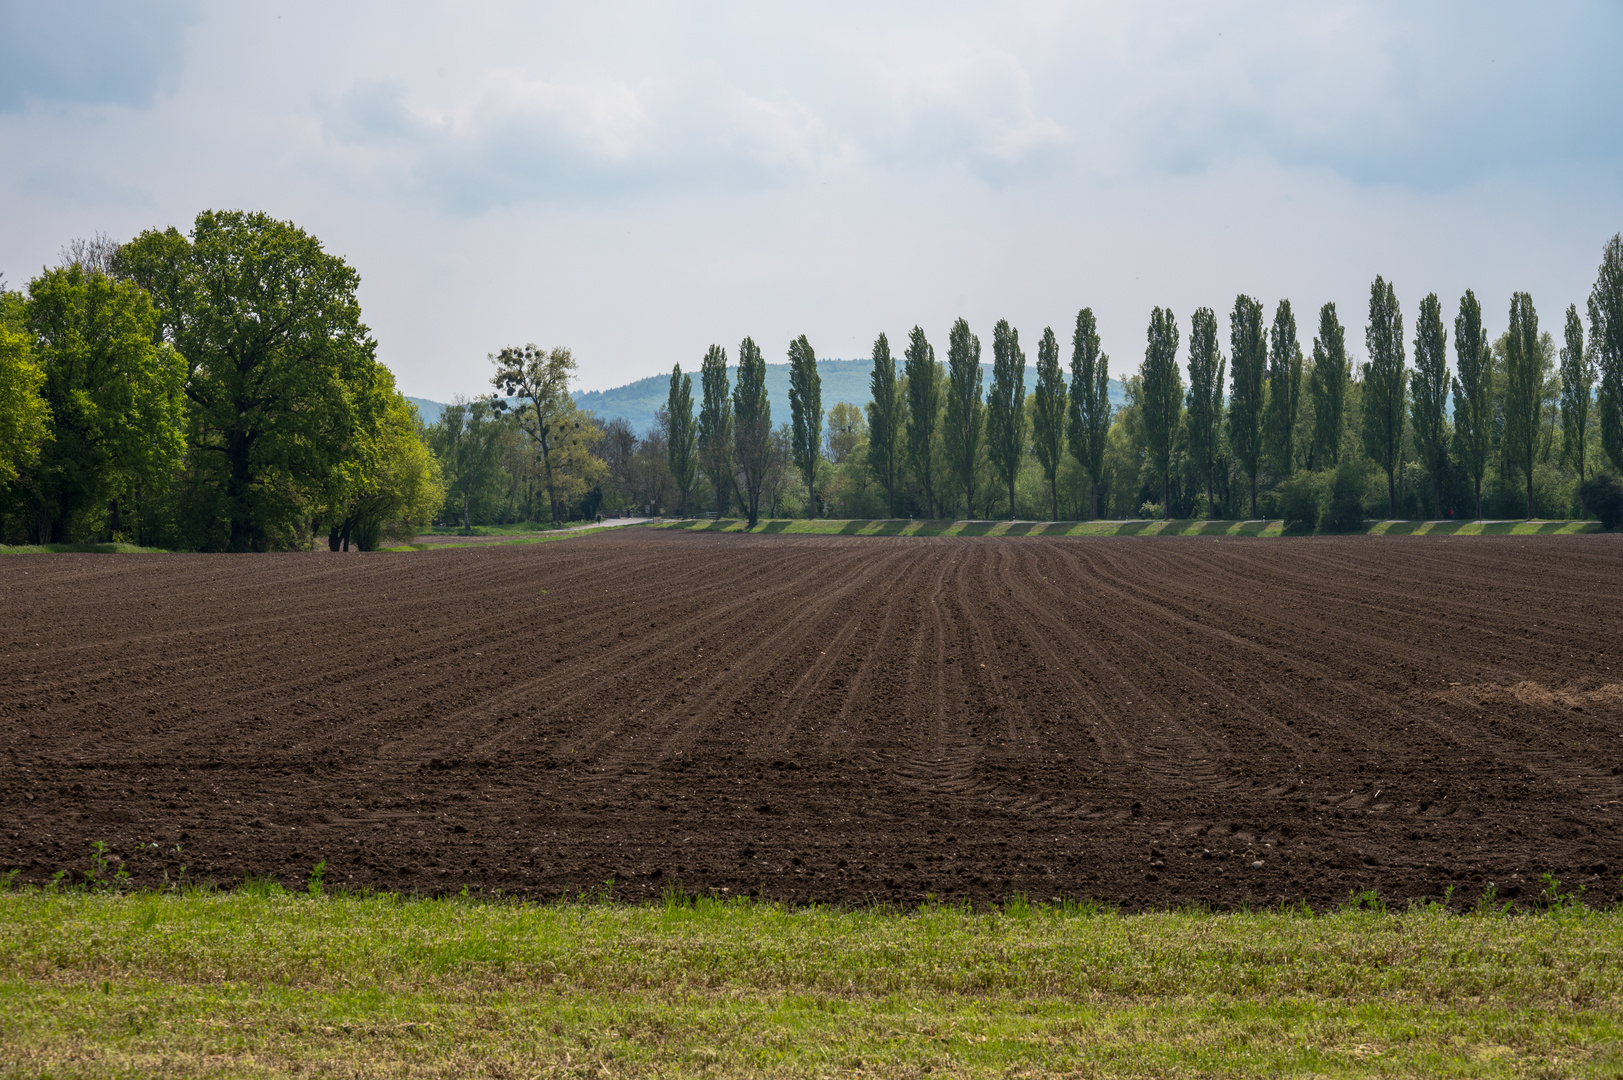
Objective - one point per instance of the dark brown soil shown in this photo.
(1143, 721)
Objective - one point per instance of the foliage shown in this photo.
(400, 491)
(1428, 395)
(1577, 381)
(1342, 508)
(1301, 499)
(1163, 396)
(1247, 357)
(715, 432)
(467, 441)
(847, 431)
(924, 394)
(806, 413)
(1006, 406)
(561, 435)
(1327, 386)
(962, 425)
(281, 376)
(1048, 417)
(1473, 393)
(681, 443)
(1604, 497)
(1606, 338)
(754, 447)
(1088, 421)
(1384, 385)
(24, 415)
(1284, 390)
(1524, 376)
(1205, 398)
(887, 413)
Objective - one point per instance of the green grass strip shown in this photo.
(240, 984)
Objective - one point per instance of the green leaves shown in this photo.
(1284, 389)
(1247, 357)
(1006, 406)
(1384, 384)
(806, 413)
(1328, 385)
(1606, 338)
(886, 411)
(716, 426)
(1089, 416)
(1524, 388)
(962, 426)
(753, 412)
(1428, 395)
(1048, 415)
(924, 396)
(1473, 393)
(681, 447)
(1163, 396)
(1205, 395)
(1577, 381)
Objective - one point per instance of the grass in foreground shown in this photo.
(1275, 527)
(246, 984)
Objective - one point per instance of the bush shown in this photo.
(1299, 499)
(1342, 508)
(1603, 495)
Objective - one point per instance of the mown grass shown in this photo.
(900, 527)
(69, 549)
(246, 984)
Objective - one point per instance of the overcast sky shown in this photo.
(637, 181)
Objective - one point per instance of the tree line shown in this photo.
(1521, 424)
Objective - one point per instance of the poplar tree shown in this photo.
(680, 448)
(1524, 388)
(1284, 389)
(1205, 396)
(923, 412)
(1006, 406)
(1428, 394)
(716, 426)
(753, 413)
(886, 409)
(1248, 354)
(806, 414)
(1328, 385)
(1048, 415)
(1606, 338)
(1577, 379)
(1163, 397)
(962, 431)
(1088, 423)
(1384, 386)
(1473, 393)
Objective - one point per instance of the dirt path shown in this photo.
(1145, 721)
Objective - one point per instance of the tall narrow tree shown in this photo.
(1205, 397)
(1006, 406)
(1329, 386)
(1473, 393)
(1384, 386)
(962, 431)
(681, 447)
(886, 411)
(716, 426)
(1284, 389)
(753, 414)
(1524, 389)
(1163, 398)
(1248, 356)
(1606, 338)
(1088, 423)
(1577, 382)
(923, 413)
(806, 414)
(1428, 395)
(1048, 415)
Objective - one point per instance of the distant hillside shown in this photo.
(843, 380)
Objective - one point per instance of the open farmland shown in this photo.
(1144, 721)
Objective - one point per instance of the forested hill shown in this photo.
(843, 380)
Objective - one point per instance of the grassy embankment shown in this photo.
(70, 549)
(258, 984)
(901, 527)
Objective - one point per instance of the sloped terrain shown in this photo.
(1147, 721)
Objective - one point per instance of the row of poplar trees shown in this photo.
(944, 437)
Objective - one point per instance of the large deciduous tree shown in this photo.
(923, 413)
(1473, 394)
(560, 433)
(1524, 389)
(1428, 395)
(1205, 397)
(887, 411)
(1006, 407)
(681, 444)
(1606, 338)
(1088, 418)
(1328, 385)
(1284, 389)
(467, 441)
(806, 414)
(1385, 386)
(753, 413)
(24, 416)
(1048, 415)
(1248, 356)
(715, 430)
(963, 428)
(114, 400)
(1163, 398)
(281, 372)
(398, 491)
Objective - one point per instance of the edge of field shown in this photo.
(1270, 528)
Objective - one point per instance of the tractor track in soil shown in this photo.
(1146, 721)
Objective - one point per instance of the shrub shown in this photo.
(1603, 495)
(1299, 499)
(1343, 499)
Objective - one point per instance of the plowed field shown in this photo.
(1145, 721)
